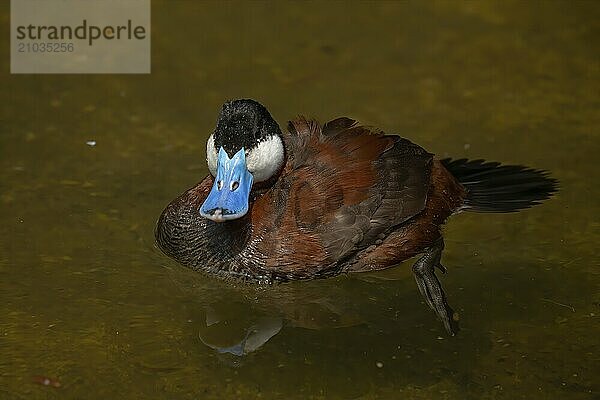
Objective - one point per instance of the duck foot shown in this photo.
(430, 287)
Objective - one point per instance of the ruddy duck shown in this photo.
(320, 200)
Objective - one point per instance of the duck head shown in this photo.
(245, 150)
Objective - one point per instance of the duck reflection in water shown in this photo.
(239, 320)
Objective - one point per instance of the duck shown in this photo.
(318, 200)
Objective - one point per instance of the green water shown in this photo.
(87, 299)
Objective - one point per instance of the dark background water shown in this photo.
(87, 299)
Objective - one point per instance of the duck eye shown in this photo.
(219, 185)
(234, 186)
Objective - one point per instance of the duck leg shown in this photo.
(430, 287)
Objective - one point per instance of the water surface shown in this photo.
(87, 299)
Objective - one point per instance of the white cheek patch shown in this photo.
(265, 159)
(211, 155)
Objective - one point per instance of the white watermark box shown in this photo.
(80, 36)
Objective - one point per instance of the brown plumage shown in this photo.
(319, 220)
(347, 199)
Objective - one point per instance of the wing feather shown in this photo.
(350, 184)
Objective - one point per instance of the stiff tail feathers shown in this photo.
(497, 188)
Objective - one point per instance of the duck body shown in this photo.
(318, 220)
(346, 198)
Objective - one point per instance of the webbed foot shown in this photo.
(430, 287)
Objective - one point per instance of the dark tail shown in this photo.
(492, 187)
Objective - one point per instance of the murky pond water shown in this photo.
(87, 299)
